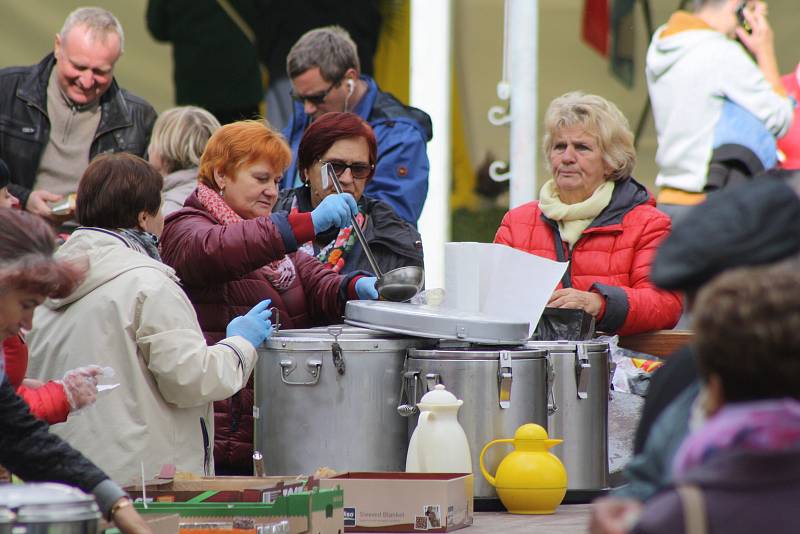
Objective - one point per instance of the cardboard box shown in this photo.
(404, 502)
(217, 489)
(158, 523)
(308, 512)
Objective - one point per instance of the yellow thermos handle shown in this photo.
(489, 477)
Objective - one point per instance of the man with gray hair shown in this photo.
(57, 115)
(324, 69)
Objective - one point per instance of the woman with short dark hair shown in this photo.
(348, 143)
(131, 314)
(115, 191)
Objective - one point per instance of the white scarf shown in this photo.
(573, 219)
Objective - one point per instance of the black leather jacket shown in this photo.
(125, 123)
(29, 450)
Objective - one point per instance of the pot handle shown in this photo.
(314, 369)
(489, 478)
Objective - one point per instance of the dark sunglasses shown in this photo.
(360, 171)
(315, 99)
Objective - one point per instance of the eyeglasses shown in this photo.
(315, 99)
(360, 171)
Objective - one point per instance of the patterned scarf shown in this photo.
(141, 241)
(769, 425)
(334, 254)
(280, 273)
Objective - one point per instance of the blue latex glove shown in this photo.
(254, 326)
(365, 288)
(334, 210)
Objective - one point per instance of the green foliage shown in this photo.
(476, 225)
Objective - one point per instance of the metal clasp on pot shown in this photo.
(552, 407)
(276, 319)
(582, 371)
(336, 349)
(432, 380)
(505, 377)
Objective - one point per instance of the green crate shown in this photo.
(318, 510)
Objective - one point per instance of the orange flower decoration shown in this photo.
(335, 255)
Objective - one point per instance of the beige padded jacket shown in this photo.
(130, 314)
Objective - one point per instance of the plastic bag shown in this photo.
(431, 297)
(564, 324)
(632, 370)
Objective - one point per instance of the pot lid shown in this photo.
(341, 331)
(592, 345)
(437, 322)
(47, 501)
(350, 338)
(439, 396)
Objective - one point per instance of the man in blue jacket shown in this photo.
(325, 73)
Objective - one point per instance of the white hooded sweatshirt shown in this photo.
(690, 72)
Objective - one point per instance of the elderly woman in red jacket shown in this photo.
(594, 215)
(231, 251)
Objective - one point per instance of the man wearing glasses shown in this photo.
(324, 69)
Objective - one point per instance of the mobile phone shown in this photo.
(741, 18)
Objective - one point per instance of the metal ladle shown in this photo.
(398, 285)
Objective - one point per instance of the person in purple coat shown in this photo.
(739, 470)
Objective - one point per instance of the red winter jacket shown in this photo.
(219, 267)
(49, 402)
(612, 257)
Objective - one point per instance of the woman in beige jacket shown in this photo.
(130, 314)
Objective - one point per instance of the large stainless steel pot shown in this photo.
(328, 397)
(47, 509)
(579, 413)
(502, 389)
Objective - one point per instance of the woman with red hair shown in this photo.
(231, 252)
(347, 142)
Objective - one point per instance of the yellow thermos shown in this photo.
(530, 480)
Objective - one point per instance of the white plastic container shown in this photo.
(439, 444)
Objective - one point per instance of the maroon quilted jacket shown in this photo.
(612, 257)
(219, 267)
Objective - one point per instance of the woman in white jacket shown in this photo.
(130, 314)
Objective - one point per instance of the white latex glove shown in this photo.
(81, 386)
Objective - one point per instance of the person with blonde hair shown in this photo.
(231, 251)
(179, 137)
(593, 214)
